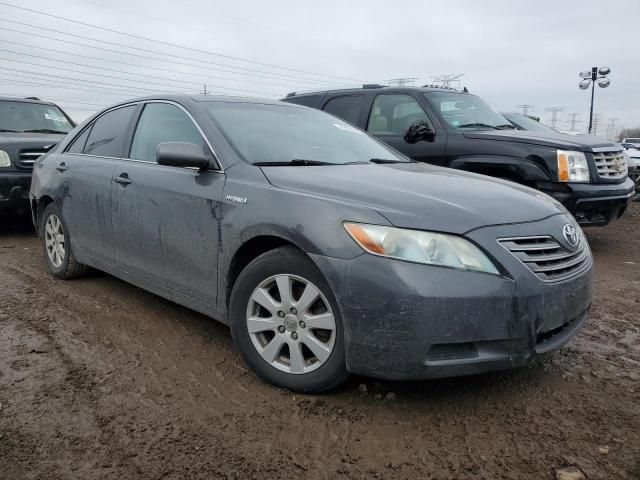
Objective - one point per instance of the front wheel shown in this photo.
(56, 245)
(286, 324)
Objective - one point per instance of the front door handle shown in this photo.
(123, 179)
(61, 167)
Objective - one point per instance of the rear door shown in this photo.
(391, 115)
(166, 218)
(85, 171)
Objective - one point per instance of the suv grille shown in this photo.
(28, 156)
(547, 258)
(611, 164)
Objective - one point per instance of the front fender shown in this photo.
(529, 169)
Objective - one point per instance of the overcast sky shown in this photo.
(511, 52)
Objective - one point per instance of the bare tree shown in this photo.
(629, 133)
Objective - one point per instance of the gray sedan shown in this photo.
(325, 251)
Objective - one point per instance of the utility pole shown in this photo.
(446, 80)
(401, 82)
(573, 121)
(204, 90)
(554, 115)
(524, 109)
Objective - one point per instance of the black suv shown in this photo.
(456, 129)
(28, 128)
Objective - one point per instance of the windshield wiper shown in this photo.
(478, 125)
(43, 130)
(296, 162)
(387, 160)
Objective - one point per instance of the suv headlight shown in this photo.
(5, 161)
(420, 247)
(572, 166)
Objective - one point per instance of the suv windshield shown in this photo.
(277, 134)
(32, 117)
(463, 111)
(530, 124)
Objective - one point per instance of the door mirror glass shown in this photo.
(418, 131)
(182, 154)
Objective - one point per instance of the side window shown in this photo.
(78, 144)
(346, 107)
(392, 114)
(159, 123)
(109, 132)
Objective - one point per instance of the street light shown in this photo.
(589, 78)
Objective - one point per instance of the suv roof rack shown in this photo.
(439, 86)
(372, 85)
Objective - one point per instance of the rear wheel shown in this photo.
(286, 323)
(56, 245)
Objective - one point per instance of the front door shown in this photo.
(166, 218)
(391, 115)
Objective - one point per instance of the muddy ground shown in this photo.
(99, 379)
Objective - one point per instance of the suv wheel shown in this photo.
(56, 245)
(286, 324)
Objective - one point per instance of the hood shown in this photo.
(415, 195)
(585, 143)
(31, 139)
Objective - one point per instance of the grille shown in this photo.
(549, 260)
(611, 164)
(27, 157)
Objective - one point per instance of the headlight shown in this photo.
(420, 247)
(572, 166)
(5, 161)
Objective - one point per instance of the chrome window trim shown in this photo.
(139, 102)
(216, 170)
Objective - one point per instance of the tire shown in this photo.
(315, 333)
(61, 263)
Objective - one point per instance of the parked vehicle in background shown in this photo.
(28, 128)
(459, 130)
(633, 160)
(326, 251)
(634, 141)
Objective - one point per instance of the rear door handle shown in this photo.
(61, 167)
(123, 179)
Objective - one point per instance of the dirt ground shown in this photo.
(99, 379)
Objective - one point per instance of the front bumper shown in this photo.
(410, 321)
(594, 204)
(14, 190)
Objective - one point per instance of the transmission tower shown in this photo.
(446, 80)
(573, 121)
(524, 109)
(401, 82)
(597, 118)
(611, 128)
(554, 115)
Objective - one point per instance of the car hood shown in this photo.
(560, 140)
(23, 138)
(415, 195)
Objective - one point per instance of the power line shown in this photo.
(554, 114)
(258, 73)
(198, 75)
(29, 80)
(160, 42)
(524, 109)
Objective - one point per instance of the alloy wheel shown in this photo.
(291, 324)
(54, 241)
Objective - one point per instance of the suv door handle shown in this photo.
(123, 179)
(61, 167)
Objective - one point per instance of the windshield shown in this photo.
(463, 111)
(264, 134)
(527, 123)
(32, 117)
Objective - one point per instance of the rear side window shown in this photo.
(159, 123)
(78, 144)
(346, 107)
(109, 132)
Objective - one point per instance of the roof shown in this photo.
(367, 87)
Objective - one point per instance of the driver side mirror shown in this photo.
(182, 154)
(419, 130)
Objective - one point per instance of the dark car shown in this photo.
(459, 130)
(28, 128)
(326, 251)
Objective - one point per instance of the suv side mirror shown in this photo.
(419, 130)
(182, 154)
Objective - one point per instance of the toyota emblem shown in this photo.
(570, 235)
